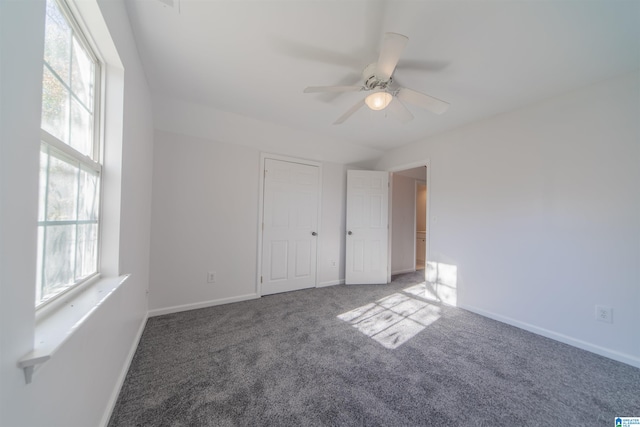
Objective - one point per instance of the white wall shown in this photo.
(333, 226)
(403, 236)
(539, 209)
(186, 118)
(20, 97)
(76, 386)
(205, 201)
(205, 218)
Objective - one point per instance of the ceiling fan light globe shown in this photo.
(378, 101)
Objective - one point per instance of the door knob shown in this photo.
(349, 233)
(313, 233)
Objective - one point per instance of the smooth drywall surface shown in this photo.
(539, 210)
(332, 242)
(127, 315)
(20, 97)
(186, 118)
(205, 218)
(403, 236)
(76, 387)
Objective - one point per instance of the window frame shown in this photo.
(79, 160)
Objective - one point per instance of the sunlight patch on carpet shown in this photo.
(442, 283)
(392, 320)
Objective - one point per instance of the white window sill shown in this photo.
(53, 330)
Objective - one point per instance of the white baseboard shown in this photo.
(205, 304)
(330, 283)
(602, 351)
(123, 374)
(406, 270)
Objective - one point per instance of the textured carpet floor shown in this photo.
(363, 355)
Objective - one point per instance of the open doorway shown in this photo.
(409, 233)
(421, 224)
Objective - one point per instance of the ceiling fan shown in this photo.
(378, 79)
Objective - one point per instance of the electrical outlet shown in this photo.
(332, 262)
(211, 277)
(604, 314)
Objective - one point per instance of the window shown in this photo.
(70, 164)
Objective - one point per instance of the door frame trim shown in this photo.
(417, 183)
(416, 164)
(263, 157)
(415, 224)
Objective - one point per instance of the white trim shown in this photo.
(389, 226)
(263, 157)
(419, 182)
(319, 226)
(91, 22)
(427, 164)
(64, 151)
(82, 32)
(330, 283)
(258, 288)
(427, 225)
(204, 304)
(62, 298)
(574, 342)
(290, 159)
(412, 165)
(415, 224)
(67, 153)
(123, 373)
(53, 330)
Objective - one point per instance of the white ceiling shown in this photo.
(254, 58)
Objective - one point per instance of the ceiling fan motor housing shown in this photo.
(371, 79)
(378, 80)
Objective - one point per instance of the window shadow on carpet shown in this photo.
(395, 319)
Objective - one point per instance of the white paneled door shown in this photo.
(367, 227)
(290, 226)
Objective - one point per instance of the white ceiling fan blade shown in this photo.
(320, 89)
(349, 112)
(399, 111)
(421, 100)
(392, 46)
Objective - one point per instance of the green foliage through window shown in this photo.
(68, 226)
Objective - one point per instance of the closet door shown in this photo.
(290, 224)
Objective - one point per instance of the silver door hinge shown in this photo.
(260, 279)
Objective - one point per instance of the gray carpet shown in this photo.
(289, 360)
